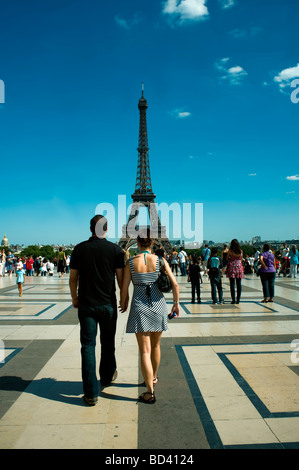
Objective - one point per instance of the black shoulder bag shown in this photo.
(163, 281)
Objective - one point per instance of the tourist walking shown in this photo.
(20, 273)
(9, 263)
(50, 267)
(235, 270)
(205, 256)
(214, 269)
(2, 263)
(29, 266)
(293, 255)
(285, 251)
(94, 264)
(44, 267)
(194, 277)
(174, 261)
(182, 260)
(37, 265)
(256, 260)
(224, 258)
(61, 262)
(148, 313)
(67, 264)
(267, 273)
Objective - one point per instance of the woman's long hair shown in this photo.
(235, 247)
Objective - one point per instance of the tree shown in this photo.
(47, 252)
(30, 250)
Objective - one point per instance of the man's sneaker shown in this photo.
(90, 401)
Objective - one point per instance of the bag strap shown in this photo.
(161, 264)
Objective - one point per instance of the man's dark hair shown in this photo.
(266, 247)
(102, 226)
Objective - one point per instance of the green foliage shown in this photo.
(31, 250)
(46, 251)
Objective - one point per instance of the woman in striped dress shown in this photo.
(148, 312)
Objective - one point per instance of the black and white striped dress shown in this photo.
(148, 307)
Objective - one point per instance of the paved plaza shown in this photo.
(228, 375)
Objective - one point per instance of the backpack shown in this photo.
(214, 266)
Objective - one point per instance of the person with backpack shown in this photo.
(194, 277)
(214, 267)
(37, 265)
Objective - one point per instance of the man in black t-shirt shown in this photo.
(94, 264)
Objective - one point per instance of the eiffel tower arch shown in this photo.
(143, 196)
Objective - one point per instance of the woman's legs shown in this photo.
(144, 344)
(232, 289)
(293, 269)
(149, 348)
(239, 288)
(156, 351)
(20, 288)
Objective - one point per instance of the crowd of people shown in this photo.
(232, 263)
(34, 266)
(96, 263)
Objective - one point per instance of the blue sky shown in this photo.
(222, 127)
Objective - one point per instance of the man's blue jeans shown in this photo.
(90, 317)
(183, 269)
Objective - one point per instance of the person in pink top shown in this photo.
(235, 269)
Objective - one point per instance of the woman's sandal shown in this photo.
(156, 380)
(150, 400)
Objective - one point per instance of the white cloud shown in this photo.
(252, 174)
(290, 192)
(227, 3)
(186, 10)
(184, 114)
(293, 178)
(234, 75)
(286, 76)
(179, 113)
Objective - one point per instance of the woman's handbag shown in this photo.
(163, 281)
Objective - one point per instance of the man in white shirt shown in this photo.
(182, 259)
(285, 251)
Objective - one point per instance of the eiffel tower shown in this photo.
(143, 195)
